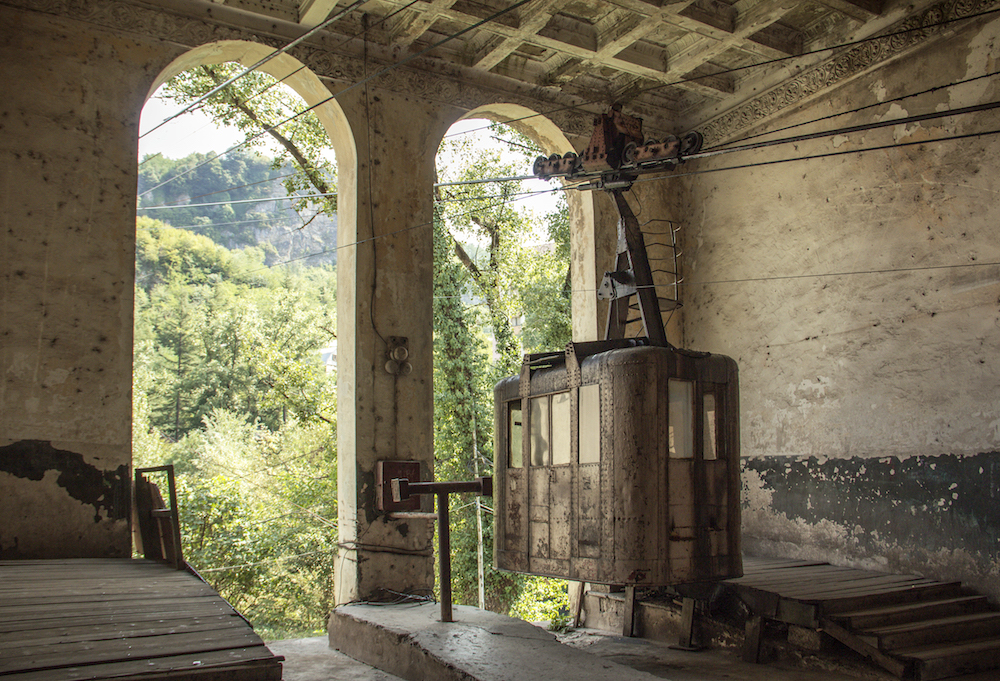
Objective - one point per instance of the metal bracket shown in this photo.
(385, 472)
(403, 489)
(618, 284)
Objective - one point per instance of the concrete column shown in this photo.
(385, 270)
(68, 125)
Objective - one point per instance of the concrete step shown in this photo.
(410, 641)
(911, 612)
(976, 626)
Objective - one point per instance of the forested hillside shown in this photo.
(230, 388)
(236, 200)
(235, 301)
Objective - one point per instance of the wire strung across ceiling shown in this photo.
(354, 85)
(943, 22)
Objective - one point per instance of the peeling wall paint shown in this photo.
(106, 491)
(58, 503)
(936, 516)
(69, 120)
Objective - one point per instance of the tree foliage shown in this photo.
(266, 109)
(241, 175)
(494, 263)
(218, 330)
(229, 387)
(228, 383)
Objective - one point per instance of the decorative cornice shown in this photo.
(841, 68)
(426, 79)
(190, 23)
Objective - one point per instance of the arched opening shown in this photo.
(511, 261)
(547, 135)
(250, 345)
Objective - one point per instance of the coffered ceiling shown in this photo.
(675, 62)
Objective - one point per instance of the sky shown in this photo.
(196, 132)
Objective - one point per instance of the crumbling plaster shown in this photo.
(853, 291)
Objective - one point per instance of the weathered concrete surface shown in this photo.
(312, 659)
(69, 120)
(853, 293)
(76, 79)
(410, 642)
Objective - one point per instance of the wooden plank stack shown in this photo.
(916, 628)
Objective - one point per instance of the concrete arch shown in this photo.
(583, 250)
(308, 86)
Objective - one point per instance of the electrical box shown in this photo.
(619, 465)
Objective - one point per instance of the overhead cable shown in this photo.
(736, 69)
(858, 109)
(276, 220)
(242, 186)
(587, 185)
(788, 277)
(829, 154)
(290, 197)
(359, 83)
(719, 151)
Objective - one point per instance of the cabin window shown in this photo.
(550, 426)
(680, 421)
(539, 431)
(711, 451)
(590, 424)
(514, 456)
(560, 429)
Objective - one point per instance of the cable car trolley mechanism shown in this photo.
(617, 461)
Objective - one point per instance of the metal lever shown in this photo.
(403, 489)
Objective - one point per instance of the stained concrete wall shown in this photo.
(852, 292)
(68, 124)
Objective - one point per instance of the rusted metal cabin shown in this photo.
(618, 463)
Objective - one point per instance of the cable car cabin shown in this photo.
(619, 465)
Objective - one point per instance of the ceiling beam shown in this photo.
(542, 13)
(696, 56)
(314, 12)
(414, 23)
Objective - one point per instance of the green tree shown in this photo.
(224, 332)
(478, 291)
(208, 183)
(229, 388)
(260, 106)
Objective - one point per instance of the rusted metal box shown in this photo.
(619, 466)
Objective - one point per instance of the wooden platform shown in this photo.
(121, 619)
(914, 627)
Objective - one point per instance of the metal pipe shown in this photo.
(444, 556)
(403, 489)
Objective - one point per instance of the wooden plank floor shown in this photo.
(121, 619)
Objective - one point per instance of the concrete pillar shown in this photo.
(68, 125)
(385, 286)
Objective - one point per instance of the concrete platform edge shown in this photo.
(396, 652)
